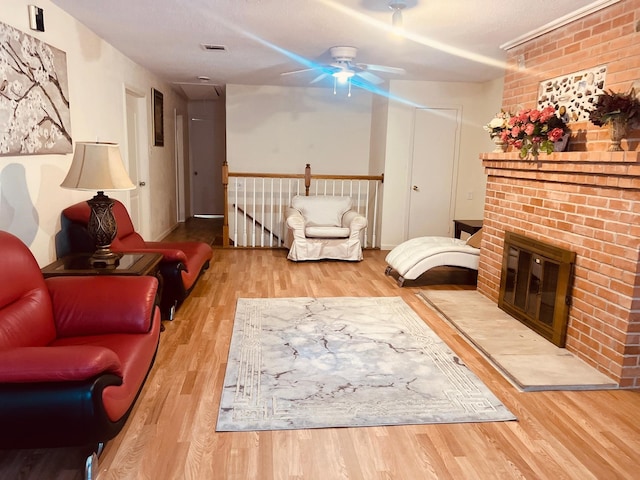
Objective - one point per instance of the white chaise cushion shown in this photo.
(414, 257)
(322, 210)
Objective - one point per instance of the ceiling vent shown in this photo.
(214, 48)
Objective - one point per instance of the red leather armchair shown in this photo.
(74, 351)
(182, 264)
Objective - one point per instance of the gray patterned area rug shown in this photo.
(299, 363)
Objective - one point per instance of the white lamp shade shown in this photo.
(97, 166)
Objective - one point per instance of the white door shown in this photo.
(432, 173)
(206, 175)
(138, 162)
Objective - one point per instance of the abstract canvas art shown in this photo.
(34, 96)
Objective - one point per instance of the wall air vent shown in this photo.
(214, 48)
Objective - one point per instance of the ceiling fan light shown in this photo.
(343, 75)
(397, 6)
(396, 18)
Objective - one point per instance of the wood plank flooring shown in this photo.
(171, 433)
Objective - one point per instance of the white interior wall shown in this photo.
(479, 103)
(98, 75)
(274, 129)
(378, 142)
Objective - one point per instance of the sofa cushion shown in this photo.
(86, 306)
(322, 210)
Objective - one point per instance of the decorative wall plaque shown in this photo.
(573, 94)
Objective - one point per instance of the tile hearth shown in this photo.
(525, 358)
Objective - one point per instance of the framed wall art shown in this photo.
(158, 118)
(34, 96)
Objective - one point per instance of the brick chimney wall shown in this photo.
(586, 199)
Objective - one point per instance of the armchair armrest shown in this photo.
(354, 221)
(102, 304)
(295, 221)
(57, 364)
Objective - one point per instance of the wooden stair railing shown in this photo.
(269, 196)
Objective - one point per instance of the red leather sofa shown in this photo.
(182, 264)
(74, 351)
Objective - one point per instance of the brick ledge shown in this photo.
(596, 157)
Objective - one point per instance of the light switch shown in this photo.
(36, 18)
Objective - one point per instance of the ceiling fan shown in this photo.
(343, 68)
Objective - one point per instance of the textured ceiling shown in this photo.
(452, 40)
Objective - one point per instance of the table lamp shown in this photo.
(98, 166)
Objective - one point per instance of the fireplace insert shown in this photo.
(535, 285)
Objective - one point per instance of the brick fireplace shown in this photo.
(587, 202)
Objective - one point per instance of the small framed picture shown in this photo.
(158, 119)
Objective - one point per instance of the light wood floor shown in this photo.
(171, 433)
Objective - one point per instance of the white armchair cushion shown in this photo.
(326, 232)
(322, 210)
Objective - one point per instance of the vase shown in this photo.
(501, 146)
(561, 145)
(617, 131)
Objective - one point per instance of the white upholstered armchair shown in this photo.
(324, 227)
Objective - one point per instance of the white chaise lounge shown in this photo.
(414, 257)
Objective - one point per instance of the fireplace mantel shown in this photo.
(591, 157)
(603, 169)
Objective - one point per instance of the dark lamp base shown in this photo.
(102, 228)
(104, 258)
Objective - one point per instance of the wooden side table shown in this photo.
(131, 264)
(136, 264)
(469, 226)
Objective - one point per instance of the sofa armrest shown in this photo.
(168, 254)
(57, 364)
(98, 305)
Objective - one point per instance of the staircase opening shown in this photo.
(535, 285)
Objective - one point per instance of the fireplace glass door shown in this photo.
(535, 285)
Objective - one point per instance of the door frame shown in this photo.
(456, 162)
(181, 209)
(142, 104)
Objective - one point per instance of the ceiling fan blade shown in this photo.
(293, 72)
(370, 77)
(382, 68)
(318, 78)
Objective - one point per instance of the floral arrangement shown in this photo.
(533, 131)
(499, 124)
(612, 104)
